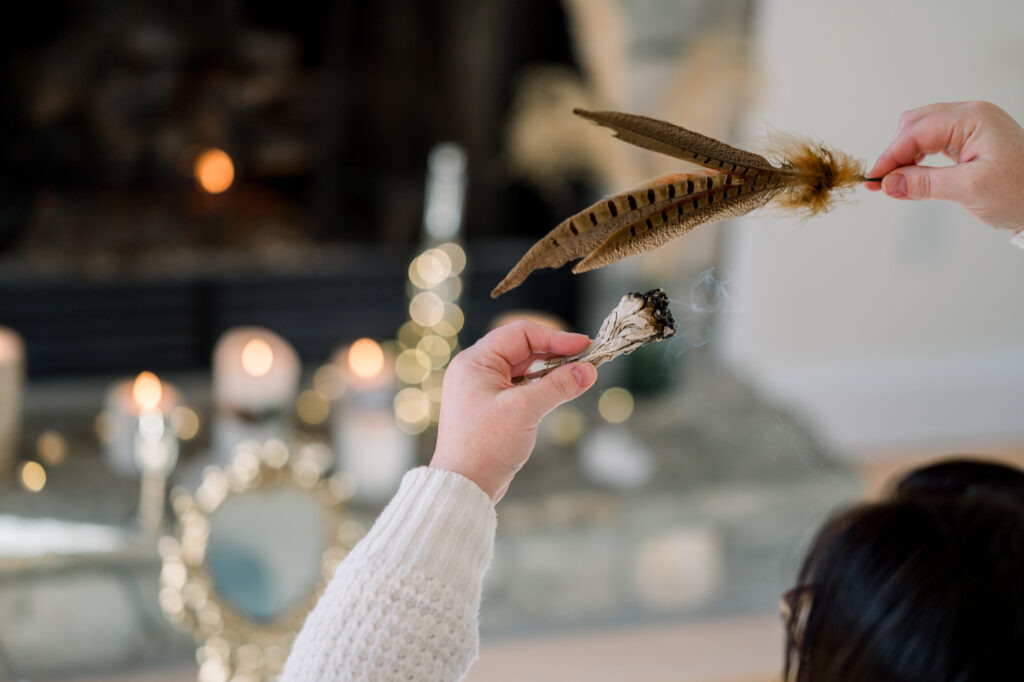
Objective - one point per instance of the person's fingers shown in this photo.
(940, 131)
(560, 386)
(523, 367)
(926, 182)
(912, 116)
(520, 341)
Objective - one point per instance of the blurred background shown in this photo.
(240, 241)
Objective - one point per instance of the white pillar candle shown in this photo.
(12, 372)
(370, 446)
(255, 381)
(120, 422)
(155, 451)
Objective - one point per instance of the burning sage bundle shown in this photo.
(637, 320)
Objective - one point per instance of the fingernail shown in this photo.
(584, 374)
(895, 185)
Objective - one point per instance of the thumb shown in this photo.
(927, 182)
(558, 387)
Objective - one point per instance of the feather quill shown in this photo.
(807, 179)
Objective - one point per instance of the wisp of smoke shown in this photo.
(708, 296)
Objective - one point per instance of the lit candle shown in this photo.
(156, 450)
(369, 445)
(118, 424)
(255, 380)
(12, 371)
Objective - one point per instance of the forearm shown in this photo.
(403, 605)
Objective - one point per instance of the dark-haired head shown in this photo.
(925, 585)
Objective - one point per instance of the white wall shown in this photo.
(895, 324)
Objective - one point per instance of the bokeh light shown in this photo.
(450, 289)
(427, 309)
(565, 425)
(456, 256)
(215, 171)
(312, 407)
(147, 391)
(434, 402)
(366, 358)
(409, 334)
(430, 268)
(185, 421)
(257, 357)
(412, 406)
(329, 380)
(106, 427)
(412, 366)
(51, 448)
(32, 476)
(434, 380)
(451, 322)
(436, 349)
(615, 405)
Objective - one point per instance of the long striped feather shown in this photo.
(673, 140)
(647, 234)
(579, 235)
(738, 181)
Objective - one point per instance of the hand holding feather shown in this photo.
(732, 183)
(987, 147)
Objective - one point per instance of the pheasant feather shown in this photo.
(807, 179)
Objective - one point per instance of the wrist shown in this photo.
(459, 466)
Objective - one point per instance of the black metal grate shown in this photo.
(84, 327)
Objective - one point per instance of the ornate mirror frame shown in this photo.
(231, 645)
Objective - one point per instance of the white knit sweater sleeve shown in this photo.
(403, 604)
(1018, 239)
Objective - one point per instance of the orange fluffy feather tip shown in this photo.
(803, 177)
(825, 175)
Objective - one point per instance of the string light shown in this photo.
(426, 309)
(412, 366)
(429, 339)
(456, 256)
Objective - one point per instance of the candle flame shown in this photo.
(257, 357)
(214, 171)
(366, 358)
(147, 391)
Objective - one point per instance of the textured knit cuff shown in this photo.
(440, 522)
(1018, 239)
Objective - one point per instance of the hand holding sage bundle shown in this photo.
(637, 320)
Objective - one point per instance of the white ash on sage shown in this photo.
(638, 319)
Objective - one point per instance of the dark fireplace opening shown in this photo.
(113, 256)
